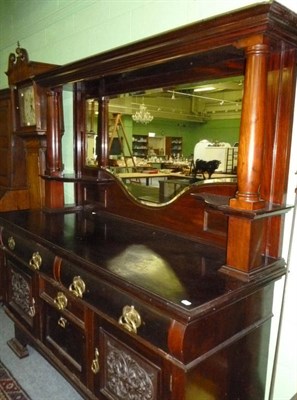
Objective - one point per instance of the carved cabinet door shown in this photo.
(124, 367)
(21, 294)
(126, 373)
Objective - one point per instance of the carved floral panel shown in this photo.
(128, 376)
(20, 291)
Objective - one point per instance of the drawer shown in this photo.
(28, 252)
(113, 302)
(63, 301)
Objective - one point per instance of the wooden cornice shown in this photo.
(271, 20)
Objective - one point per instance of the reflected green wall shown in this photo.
(226, 130)
(191, 132)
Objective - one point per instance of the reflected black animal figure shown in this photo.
(201, 167)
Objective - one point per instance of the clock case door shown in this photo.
(30, 113)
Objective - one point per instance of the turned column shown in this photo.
(54, 190)
(252, 128)
(246, 233)
(102, 138)
(54, 140)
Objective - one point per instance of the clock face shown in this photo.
(27, 106)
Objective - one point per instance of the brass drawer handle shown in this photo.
(61, 301)
(35, 261)
(77, 287)
(32, 310)
(11, 243)
(95, 367)
(130, 319)
(62, 322)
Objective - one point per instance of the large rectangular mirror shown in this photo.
(156, 135)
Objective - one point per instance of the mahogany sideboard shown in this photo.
(129, 311)
(130, 299)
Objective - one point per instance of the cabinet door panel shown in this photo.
(65, 340)
(20, 298)
(126, 374)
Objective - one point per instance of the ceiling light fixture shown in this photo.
(142, 116)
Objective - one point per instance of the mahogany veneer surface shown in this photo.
(183, 273)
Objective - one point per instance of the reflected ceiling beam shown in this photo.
(159, 112)
(221, 101)
(182, 103)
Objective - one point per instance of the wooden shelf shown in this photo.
(78, 179)
(221, 203)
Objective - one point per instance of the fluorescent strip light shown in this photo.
(204, 88)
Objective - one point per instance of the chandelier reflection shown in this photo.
(142, 116)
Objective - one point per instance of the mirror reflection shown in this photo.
(163, 140)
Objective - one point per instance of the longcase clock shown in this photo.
(28, 99)
(29, 118)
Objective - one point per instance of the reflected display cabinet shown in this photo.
(129, 298)
(174, 146)
(140, 145)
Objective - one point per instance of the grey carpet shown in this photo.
(37, 377)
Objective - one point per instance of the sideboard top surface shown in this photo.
(176, 272)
